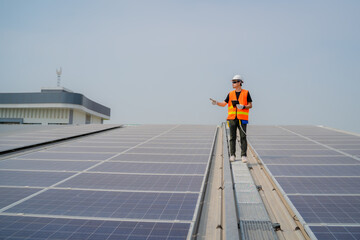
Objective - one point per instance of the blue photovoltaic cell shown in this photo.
(118, 141)
(314, 170)
(163, 168)
(336, 233)
(354, 152)
(34, 179)
(138, 205)
(135, 182)
(181, 141)
(254, 142)
(67, 156)
(100, 143)
(320, 185)
(91, 149)
(345, 146)
(19, 227)
(173, 135)
(46, 165)
(275, 138)
(340, 144)
(10, 195)
(169, 151)
(178, 145)
(296, 152)
(338, 138)
(309, 160)
(302, 147)
(328, 209)
(161, 158)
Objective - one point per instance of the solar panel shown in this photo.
(104, 144)
(178, 145)
(318, 170)
(355, 152)
(10, 195)
(31, 178)
(345, 146)
(328, 209)
(320, 185)
(189, 151)
(117, 140)
(181, 141)
(136, 182)
(336, 232)
(255, 141)
(67, 156)
(320, 160)
(308, 146)
(161, 158)
(18, 227)
(154, 168)
(137, 205)
(296, 152)
(42, 134)
(314, 170)
(142, 182)
(89, 149)
(45, 165)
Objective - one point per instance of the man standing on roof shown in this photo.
(239, 102)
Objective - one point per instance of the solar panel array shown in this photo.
(317, 169)
(139, 182)
(19, 136)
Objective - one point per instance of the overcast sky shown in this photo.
(161, 61)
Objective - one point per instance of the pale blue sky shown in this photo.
(160, 61)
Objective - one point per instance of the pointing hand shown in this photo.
(214, 102)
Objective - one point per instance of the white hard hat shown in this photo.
(237, 77)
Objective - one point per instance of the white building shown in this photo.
(51, 106)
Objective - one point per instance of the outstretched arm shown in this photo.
(221, 104)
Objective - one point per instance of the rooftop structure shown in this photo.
(51, 106)
(176, 182)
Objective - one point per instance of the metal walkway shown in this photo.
(253, 219)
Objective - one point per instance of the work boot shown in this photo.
(232, 158)
(244, 159)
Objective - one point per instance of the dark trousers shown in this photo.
(234, 125)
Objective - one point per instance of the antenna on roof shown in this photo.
(58, 72)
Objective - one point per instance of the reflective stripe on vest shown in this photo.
(242, 114)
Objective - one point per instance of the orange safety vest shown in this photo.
(242, 114)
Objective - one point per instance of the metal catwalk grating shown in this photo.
(255, 230)
(248, 197)
(252, 212)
